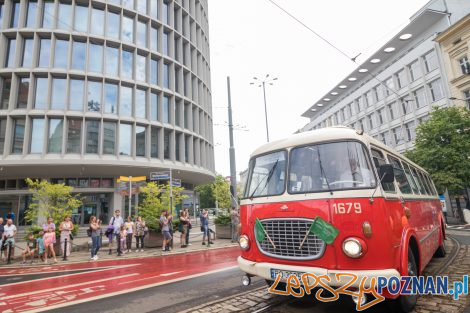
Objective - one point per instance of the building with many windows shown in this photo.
(395, 89)
(455, 46)
(94, 90)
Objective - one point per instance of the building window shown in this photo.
(391, 111)
(41, 99)
(10, 59)
(3, 129)
(153, 71)
(166, 144)
(141, 34)
(31, 17)
(154, 9)
(37, 136)
(464, 65)
(27, 59)
(48, 17)
(127, 29)
(109, 138)
(18, 136)
(142, 6)
(153, 39)
(112, 61)
(378, 93)
(54, 143)
(436, 90)
(384, 138)
(78, 55)
(419, 96)
(381, 116)
(389, 86)
(92, 136)
(404, 106)
(65, 16)
(396, 135)
(125, 139)
(97, 22)
(61, 53)
(5, 93)
(430, 61)
(467, 98)
(401, 79)
(126, 101)
(178, 113)
(113, 25)
(370, 119)
(45, 53)
(154, 106)
(59, 88)
(141, 103)
(23, 92)
(94, 96)
(77, 88)
(81, 18)
(177, 147)
(186, 148)
(95, 58)
(410, 131)
(141, 68)
(166, 75)
(128, 4)
(415, 70)
(111, 98)
(127, 59)
(74, 136)
(140, 140)
(154, 143)
(166, 109)
(166, 44)
(165, 12)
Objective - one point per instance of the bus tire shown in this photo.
(406, 303)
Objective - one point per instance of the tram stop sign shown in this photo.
(324, 230)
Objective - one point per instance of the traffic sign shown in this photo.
(160, 175)
(176, 182)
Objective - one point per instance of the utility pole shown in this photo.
(130, 195)
(233, 170)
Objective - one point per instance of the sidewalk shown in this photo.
(83, 255)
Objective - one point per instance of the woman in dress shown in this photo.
(65, 229)
(49, 239)
(139, 234)
(95, 226)
(184, 220)
(129, 224)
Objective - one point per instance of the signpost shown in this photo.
(167, 175)
(122, 184)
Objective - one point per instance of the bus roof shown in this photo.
(324, 135)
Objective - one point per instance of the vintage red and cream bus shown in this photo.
(385, 207)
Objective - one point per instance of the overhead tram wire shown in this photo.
(353, 59)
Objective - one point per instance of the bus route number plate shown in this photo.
(285, 274)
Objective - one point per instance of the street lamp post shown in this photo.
(262, 83)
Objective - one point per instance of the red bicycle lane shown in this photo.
(107, 278)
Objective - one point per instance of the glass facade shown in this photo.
(27, 59)
(61, 53)
(78, 55)
(125, 139)
(95, 58)
(77, 88)
(45, 53)
(109, 138)
(111, 98)
(94, 96)
(23, 92)
(54, 139)
(41, 99)
(125, 103)
(37, 136)
(81, 18)
(74, 136)
(31, 16)
(112, 61)
(140, 140)
(92, 136)
(59, 93)
(10, 59)
(140, 103)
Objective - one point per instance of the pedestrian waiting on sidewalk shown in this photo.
(66, 228)
(95, 226)
(117, 221)
(190, 226)
(130, 227)
(165, 226)
(30, 248)
(122, 240)
(139, 234)
(206, 231)
(49, 240)
(184, 221)
(9, 233)
(41, 247)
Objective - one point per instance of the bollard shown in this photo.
(65, 249)
(9, 253)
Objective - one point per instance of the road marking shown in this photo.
(64, 287)
(169, 274)
(52, 307)
(59, 270)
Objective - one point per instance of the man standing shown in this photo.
(9, 235)
(1, 236)
(189, 226)
(205, 227)
(164, 223)
(235, 217)
(117, 221)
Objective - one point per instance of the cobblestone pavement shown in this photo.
(258, 299)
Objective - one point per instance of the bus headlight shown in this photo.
(353, 248)
(244, 242)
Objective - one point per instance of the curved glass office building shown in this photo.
(94, 90)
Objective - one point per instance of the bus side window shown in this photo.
(413, 183)
(431, 184)
(426, 184)
(400, 176)
(378, 158)
(418, 180)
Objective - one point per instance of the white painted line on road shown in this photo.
(58, 306)
(59, 270)
(63, 287)
(169, 274)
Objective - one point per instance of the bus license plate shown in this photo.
(285, 274)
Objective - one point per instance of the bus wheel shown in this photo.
(280, 286)
(441, 251)
(406, 303)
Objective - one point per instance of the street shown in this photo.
(201, 281)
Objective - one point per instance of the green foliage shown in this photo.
(50, 200)
(206, 197)
(34, 229)
(223, 219)
(221, 191)
(443, 147)
(156, 199)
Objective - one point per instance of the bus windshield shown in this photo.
(329, 166)
(267, 175)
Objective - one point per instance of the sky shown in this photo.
(253, 38)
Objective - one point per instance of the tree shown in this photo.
(50, 200)
(206, 197)
(221, 192)
(156, 199)
(443, 147)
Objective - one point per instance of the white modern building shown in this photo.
(94, 90)
(395, 89)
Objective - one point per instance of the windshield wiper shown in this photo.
(270, 174)
(323, 172)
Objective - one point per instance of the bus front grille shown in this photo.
(287, 236)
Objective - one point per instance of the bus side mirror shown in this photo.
(386, 173)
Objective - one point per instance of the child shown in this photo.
(49, 239)
(41, 247)
(30, 248)
(122, 237)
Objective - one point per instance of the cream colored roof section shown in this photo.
(324, 135)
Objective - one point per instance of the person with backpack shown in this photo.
(117, 221)
(204, 217)
(95, 227)
(165, 226)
